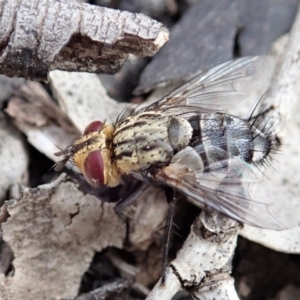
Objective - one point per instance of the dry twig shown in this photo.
(39, 36)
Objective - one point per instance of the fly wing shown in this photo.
(231, 186)
(219, 88)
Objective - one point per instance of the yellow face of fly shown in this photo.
(93, 157)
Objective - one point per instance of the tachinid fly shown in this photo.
(187, 142)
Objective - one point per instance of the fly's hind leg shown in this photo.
(171, 198)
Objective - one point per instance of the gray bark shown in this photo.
(39, 36)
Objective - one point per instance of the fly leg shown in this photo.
(121, 204)
(170, 195)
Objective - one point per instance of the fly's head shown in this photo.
(92, 154)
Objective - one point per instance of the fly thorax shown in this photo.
(180, 132)
(147, 139)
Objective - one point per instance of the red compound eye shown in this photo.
(94, 168)
(92, 127)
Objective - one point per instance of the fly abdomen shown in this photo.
(239, 138)
(246, 141)
(234, 137)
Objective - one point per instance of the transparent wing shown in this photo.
(219, 88)
(231, 186)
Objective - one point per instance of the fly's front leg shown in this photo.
(121, 204)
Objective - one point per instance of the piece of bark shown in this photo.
(39, 36)
(146, 219)
(203, 265)
(37, 116)
(13, 158)
(37, 108)
(54, 231)
(127, 270)
(212, 32)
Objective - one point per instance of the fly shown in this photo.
(188, 143)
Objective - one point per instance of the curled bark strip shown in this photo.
(39, 36)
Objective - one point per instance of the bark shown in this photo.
(38, 36)
(203, 265)
(53, 231)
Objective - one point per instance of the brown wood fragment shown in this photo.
(39, 36)
(37, 116)
(32, 105)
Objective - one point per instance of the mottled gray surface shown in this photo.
(211, 32)
(148, 7)
(8, 86)
(121, 85)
